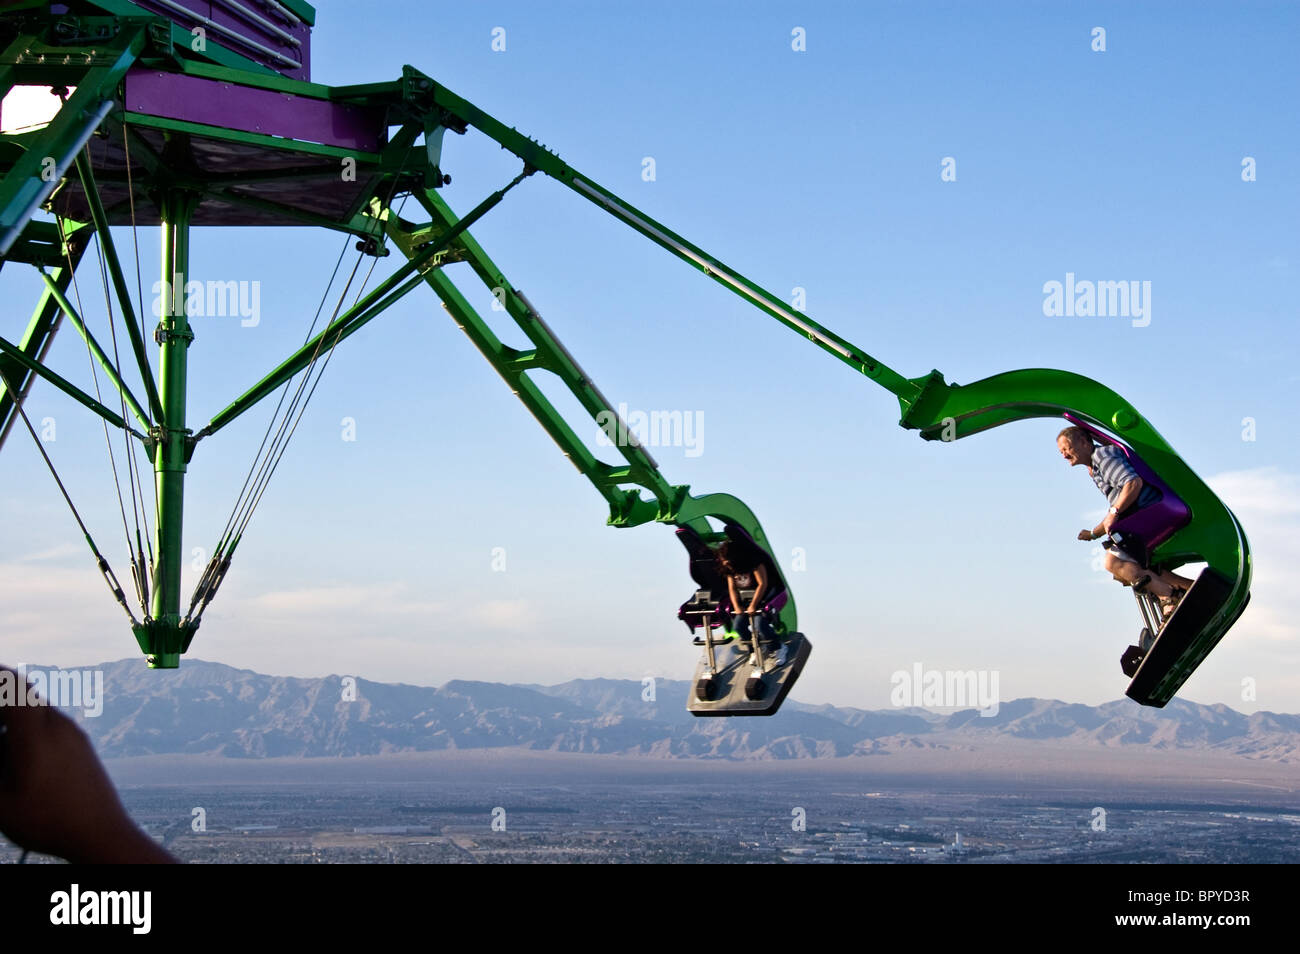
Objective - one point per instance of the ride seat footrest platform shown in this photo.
(1183, 641)
(728, 696)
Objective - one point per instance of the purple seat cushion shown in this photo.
(1154, 523)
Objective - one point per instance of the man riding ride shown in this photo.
(1126, 492)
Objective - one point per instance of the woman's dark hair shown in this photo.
(735, 556)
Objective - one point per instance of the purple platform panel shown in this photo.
(265, 32)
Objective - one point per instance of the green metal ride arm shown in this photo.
(547, 354)
(925, 402)
(670, 503)
(951, 411)
(459, 113)
(928, 403)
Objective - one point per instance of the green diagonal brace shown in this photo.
(105, 362)
(37, 339)
(66, 387)
(370, 306)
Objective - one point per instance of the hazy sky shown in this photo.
(817, 169)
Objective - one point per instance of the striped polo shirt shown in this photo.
(1111, 470)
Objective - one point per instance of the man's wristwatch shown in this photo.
(1115, 511)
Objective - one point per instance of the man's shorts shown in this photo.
(1119, 554)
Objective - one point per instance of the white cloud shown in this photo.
(60, 552)
(328, 604)
(500, 614)
(46, 590)
(1263, 493)
(332, 599)
(1267, 502)
(60, 615)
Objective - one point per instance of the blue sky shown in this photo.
(819, 170)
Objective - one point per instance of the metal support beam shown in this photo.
(36, 341)
(105, 362)
(627, 508)
(67, 387)
(672, 503)
(539, 157)
(359, 314)
(351, 321)
(162, 637)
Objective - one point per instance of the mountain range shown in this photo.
(212, 709)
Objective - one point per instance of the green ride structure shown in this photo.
(181, 113)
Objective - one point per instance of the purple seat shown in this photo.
(1153, 524)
